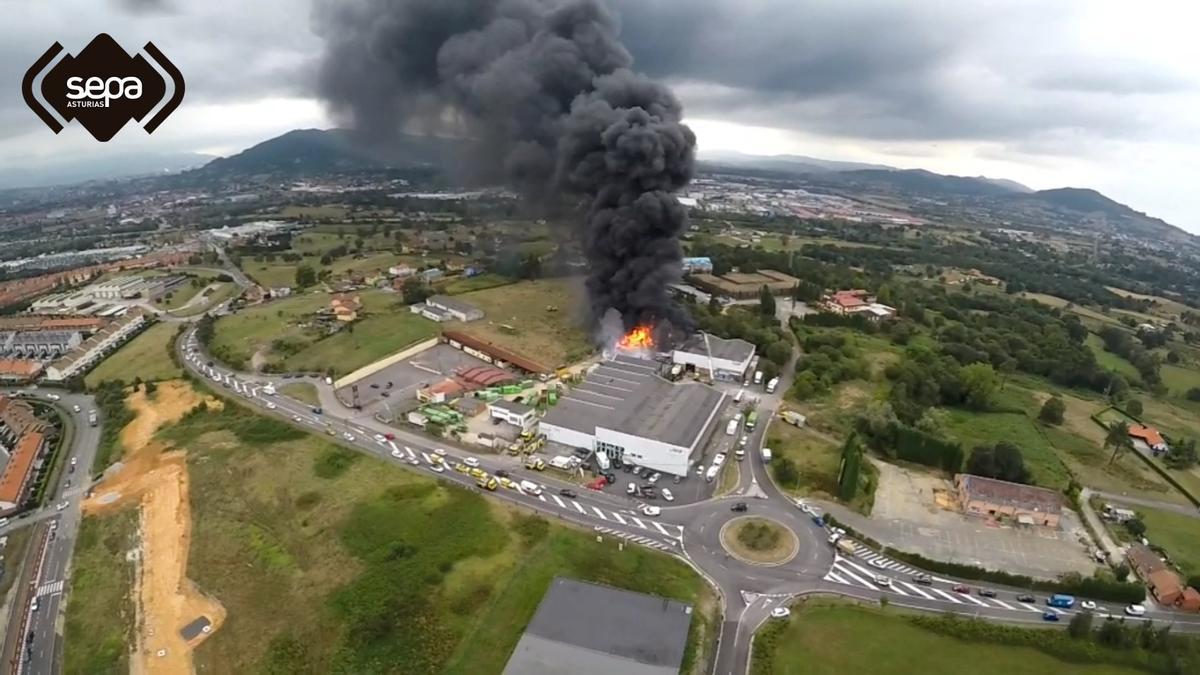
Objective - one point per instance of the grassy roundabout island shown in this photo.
(759, 541)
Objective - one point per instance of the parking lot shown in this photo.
(907, 516)
(399, 382)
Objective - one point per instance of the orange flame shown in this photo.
(638, 338)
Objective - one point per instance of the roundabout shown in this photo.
(756, 540)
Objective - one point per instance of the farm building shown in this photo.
(991, 498)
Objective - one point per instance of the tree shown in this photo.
(766, 302)
(1053, 410)
(933, 421)
(851, 467)
(1002, 461)
(714, 304)
(1117, 438)
(1121, 572)
(785, 471)
(1135, 526)
(1193, 394)
(1080, 626)
(415, 291)
(979, 384)
(1182, 455)
(779, 352)
(151, 388)
(305, 276)
(1134, 407)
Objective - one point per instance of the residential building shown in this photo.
(516, 414)
(401, 271)
(19, 370)
(17, 419)
(445, 308)
(17, 477)
(345, 306)
(1143, 561)
(625, 410)
(1150, 436)
(721, 359)
(588, 629)
(95, 348)
(998, 499)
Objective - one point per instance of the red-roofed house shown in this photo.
(345, 306)
(15, 479)
(1150, 436)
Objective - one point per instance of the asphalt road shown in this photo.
(749, 592)
(42, 654)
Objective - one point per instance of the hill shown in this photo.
(308, 151)
(71, 169)
(1098, 212)
(784, 163)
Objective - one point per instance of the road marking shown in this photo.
(410, 452)
(558, 501)
(895, 586)
(974, 599)
(578, 507)
(1055, 610)
(951, 597)
(50, 588)
(660, 528)
(916, 590)
(857, 578)
(542, 497)
(618, 518)
(860, 568)
(600, 513)
(638, 522)
(832, 576)
(1002, 603)
(1030, 607)
(427, 458)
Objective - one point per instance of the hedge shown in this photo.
(1090, 587)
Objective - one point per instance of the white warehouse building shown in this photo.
(625, 410)
(728, 359)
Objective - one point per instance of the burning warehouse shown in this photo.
(626, 411)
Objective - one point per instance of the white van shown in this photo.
(711, 475)
(737, 398)
(731, 428)
(530, 488)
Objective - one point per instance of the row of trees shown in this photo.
(828, 358)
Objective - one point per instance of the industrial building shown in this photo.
(998, 499)
(589, 629)
(517, 414)
(716, 357)
(445, 308)
(745, 286)
(625, 410)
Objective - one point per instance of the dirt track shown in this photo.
(166, 599)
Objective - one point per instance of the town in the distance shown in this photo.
(261, 418)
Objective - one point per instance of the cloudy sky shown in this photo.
(1086, 93)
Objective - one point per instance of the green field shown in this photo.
(541, 320)
(973, 429)
(286, 335)
(332, 561)
(817, 457)
(301, 391)
(221, 293)
(100, 612)
(1178, 534)
(146, 356)
(1111, 361)
(476, 283)
(180, 295)
(827, 639)
(279, 274)
(1180, 379)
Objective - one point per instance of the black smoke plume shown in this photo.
(546, 89)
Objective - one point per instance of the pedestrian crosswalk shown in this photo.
(644, 541)
(882, 562)
(654, 527)
(50, 588)
(852, 572)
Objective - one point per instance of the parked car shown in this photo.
(1049, 616)
(471, 462)
(666, 494)
(501, 473)
(654, 477)
(739, 507)
(1136, 610)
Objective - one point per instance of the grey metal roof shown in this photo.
(587, 628)
(626, 395)
(731, 350)
(452, 304)
(513, 407)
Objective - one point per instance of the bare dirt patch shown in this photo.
(157, 480)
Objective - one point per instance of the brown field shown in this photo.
(540, 319)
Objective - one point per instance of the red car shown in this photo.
(390, 436)
(962, 589)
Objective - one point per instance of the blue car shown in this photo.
(1049, 616)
